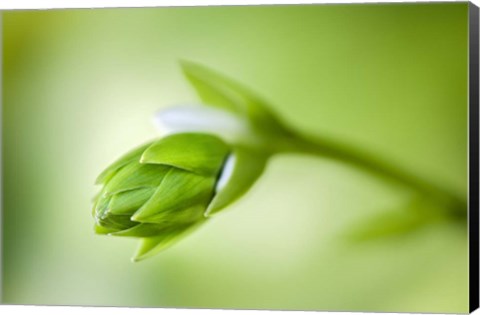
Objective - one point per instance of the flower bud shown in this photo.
(161, 190)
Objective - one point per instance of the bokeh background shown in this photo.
(80, 88)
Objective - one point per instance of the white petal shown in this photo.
(227, 172)
(182, 118)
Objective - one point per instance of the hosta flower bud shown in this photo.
(161, 190)
(164, 189)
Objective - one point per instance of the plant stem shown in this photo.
(299, 143)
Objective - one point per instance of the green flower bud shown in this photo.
(165, 189)
(161, 190)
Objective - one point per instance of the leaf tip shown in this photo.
(137, 257)
(137, 217)
(211, 211)
(144, 217)
(191, 68)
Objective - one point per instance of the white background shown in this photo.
(45, 4)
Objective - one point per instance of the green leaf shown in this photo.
(246, 166)
(115, 222)
(181, 196)
(101, 206)
(107, 220)
(150, 246)
(219, 91)
(212, 88)
(142, 230)
(131, 156)
(102, 230)
(148, 229)
(129, 201)
(134, 176)
(195, 152)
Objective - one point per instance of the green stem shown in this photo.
(298, 143)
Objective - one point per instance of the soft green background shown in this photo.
(80, 88)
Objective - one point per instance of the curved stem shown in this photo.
(299, 143)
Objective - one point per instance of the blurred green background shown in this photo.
(80, 88)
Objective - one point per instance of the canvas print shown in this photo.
(287, 157)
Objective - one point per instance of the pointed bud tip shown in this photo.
(208, 213)
(139, 257)
(135, 218)
(135, 259)
(140, 218)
